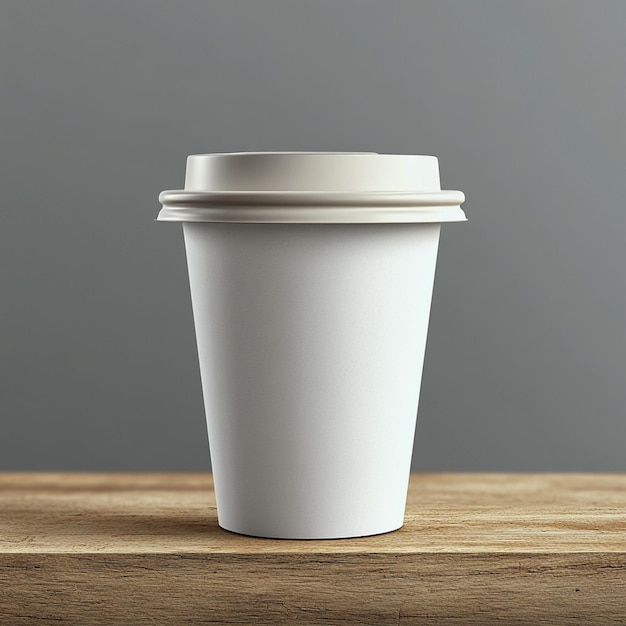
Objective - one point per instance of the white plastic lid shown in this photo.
(311, 187)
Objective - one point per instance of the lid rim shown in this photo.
(312, 214)
(199, 199)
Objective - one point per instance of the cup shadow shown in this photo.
(176, 526)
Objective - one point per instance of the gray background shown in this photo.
(523, 102)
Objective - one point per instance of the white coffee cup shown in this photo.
(311, 279)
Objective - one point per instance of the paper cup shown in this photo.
(311, 279)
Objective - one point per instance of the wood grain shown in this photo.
(475, 549)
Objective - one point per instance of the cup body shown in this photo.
(311, 341)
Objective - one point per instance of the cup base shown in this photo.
(312, 537)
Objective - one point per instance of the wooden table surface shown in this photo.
(475, 549)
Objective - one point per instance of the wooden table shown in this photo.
(475, 549)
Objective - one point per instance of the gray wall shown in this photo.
(523, 102)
